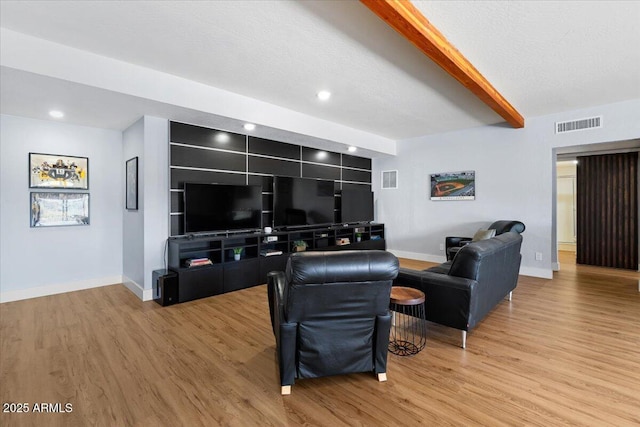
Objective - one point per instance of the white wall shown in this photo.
(146, 230)
(133, 221)
(514, 180)
(43, 261)
(155, 167)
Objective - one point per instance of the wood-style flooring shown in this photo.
(564, 352)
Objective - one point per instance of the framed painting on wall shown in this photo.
(453, 186)
(56, 171)
(55, 209)
(132, 184)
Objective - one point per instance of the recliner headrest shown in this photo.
(341, 266)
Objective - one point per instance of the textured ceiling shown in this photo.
(544, 57)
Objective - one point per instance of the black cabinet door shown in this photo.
(241, 274)
(199, 282)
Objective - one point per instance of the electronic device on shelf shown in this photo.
(212, 208)
(165, 287)
(270, 252)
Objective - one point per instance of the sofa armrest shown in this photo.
(383, 327)
(408, 277)
(452, 244)
(285, 333)
(447, 281)
(453, 241)
(449, 299)
(276, 283)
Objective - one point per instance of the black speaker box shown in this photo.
(165, 287)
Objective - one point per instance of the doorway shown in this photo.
(566, 205)
(567, 183)
(607, 220)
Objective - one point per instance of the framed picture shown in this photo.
(132, 184)
(54, 209)
(56, 171)
(453, 186)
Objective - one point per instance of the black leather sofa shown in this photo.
(461, 292)
(330, 313)
(452, 244)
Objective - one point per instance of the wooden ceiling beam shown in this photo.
(403, 16)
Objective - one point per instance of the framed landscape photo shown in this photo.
(453, 186)
(57, 171)
(132, 184)
(55, 209)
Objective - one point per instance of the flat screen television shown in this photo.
(302, 201)
(221, 207)
(357, 206)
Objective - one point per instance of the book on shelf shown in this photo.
(270, 252)
(196, 262)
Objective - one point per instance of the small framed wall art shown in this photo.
(132, 184)
(453, 186)
(56, 171)
(52, 209)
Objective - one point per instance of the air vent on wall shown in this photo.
(389, 179)
(580, 124)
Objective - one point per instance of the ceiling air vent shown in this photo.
(389, 179)
(580, 124)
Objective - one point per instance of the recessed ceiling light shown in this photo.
(323, 95)
(321, 155)
(56, 114)
(249, 126)
(352, 149)
(575, 162)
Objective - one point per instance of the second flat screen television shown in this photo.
(302, 201)
(220, 207)
(357, 206)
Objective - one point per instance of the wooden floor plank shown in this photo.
(564, 351)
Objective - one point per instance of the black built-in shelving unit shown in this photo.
(226, 274)
(204, 155)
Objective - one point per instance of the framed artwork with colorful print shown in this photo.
(57, 171)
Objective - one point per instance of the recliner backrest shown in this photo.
(340, 284)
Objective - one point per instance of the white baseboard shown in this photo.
(418, 256)
(139, 291)
(542, 273)
(60, 288)
(524, 271)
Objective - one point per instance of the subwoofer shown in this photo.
(165, 287)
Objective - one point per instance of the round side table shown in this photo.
(408, 324)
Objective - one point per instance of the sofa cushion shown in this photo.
(483, 234)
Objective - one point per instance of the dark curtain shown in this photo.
(607, 211)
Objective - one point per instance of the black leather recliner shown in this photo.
(330, 313)
(452, 244)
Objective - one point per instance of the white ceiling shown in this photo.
(543, 56)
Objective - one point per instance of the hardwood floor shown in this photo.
(564, 352)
